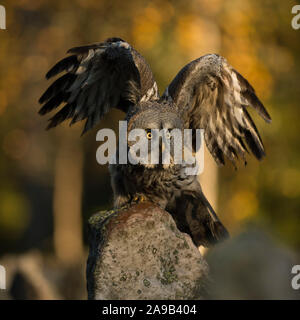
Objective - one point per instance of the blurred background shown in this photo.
(50, 182)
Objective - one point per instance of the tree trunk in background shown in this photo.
(68, 182)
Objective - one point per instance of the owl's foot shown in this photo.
(126, 202)
(138, 199)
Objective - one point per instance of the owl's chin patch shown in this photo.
(155, 166)
(150, 166)
(166, 166)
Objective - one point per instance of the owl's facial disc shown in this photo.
(160, 133)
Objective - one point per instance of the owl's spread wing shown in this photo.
(97, 78)
(213, 96)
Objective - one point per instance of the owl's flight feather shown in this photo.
(211, 95)
(208, 93)
(98, 77)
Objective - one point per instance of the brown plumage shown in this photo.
(207, 94)
(214, 97)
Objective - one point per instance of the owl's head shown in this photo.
(155, 132)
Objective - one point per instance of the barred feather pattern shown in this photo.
(211, 95)
(97, 77)
(207, 93)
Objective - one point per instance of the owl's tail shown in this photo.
(201, 221)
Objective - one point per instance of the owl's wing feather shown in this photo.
(211, 95)
(98, 77)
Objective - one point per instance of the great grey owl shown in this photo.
(207, 93)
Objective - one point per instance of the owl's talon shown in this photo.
(138, 199)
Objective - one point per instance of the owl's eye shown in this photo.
(149, 134)
(168, 135)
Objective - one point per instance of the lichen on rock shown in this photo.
(137, 252)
